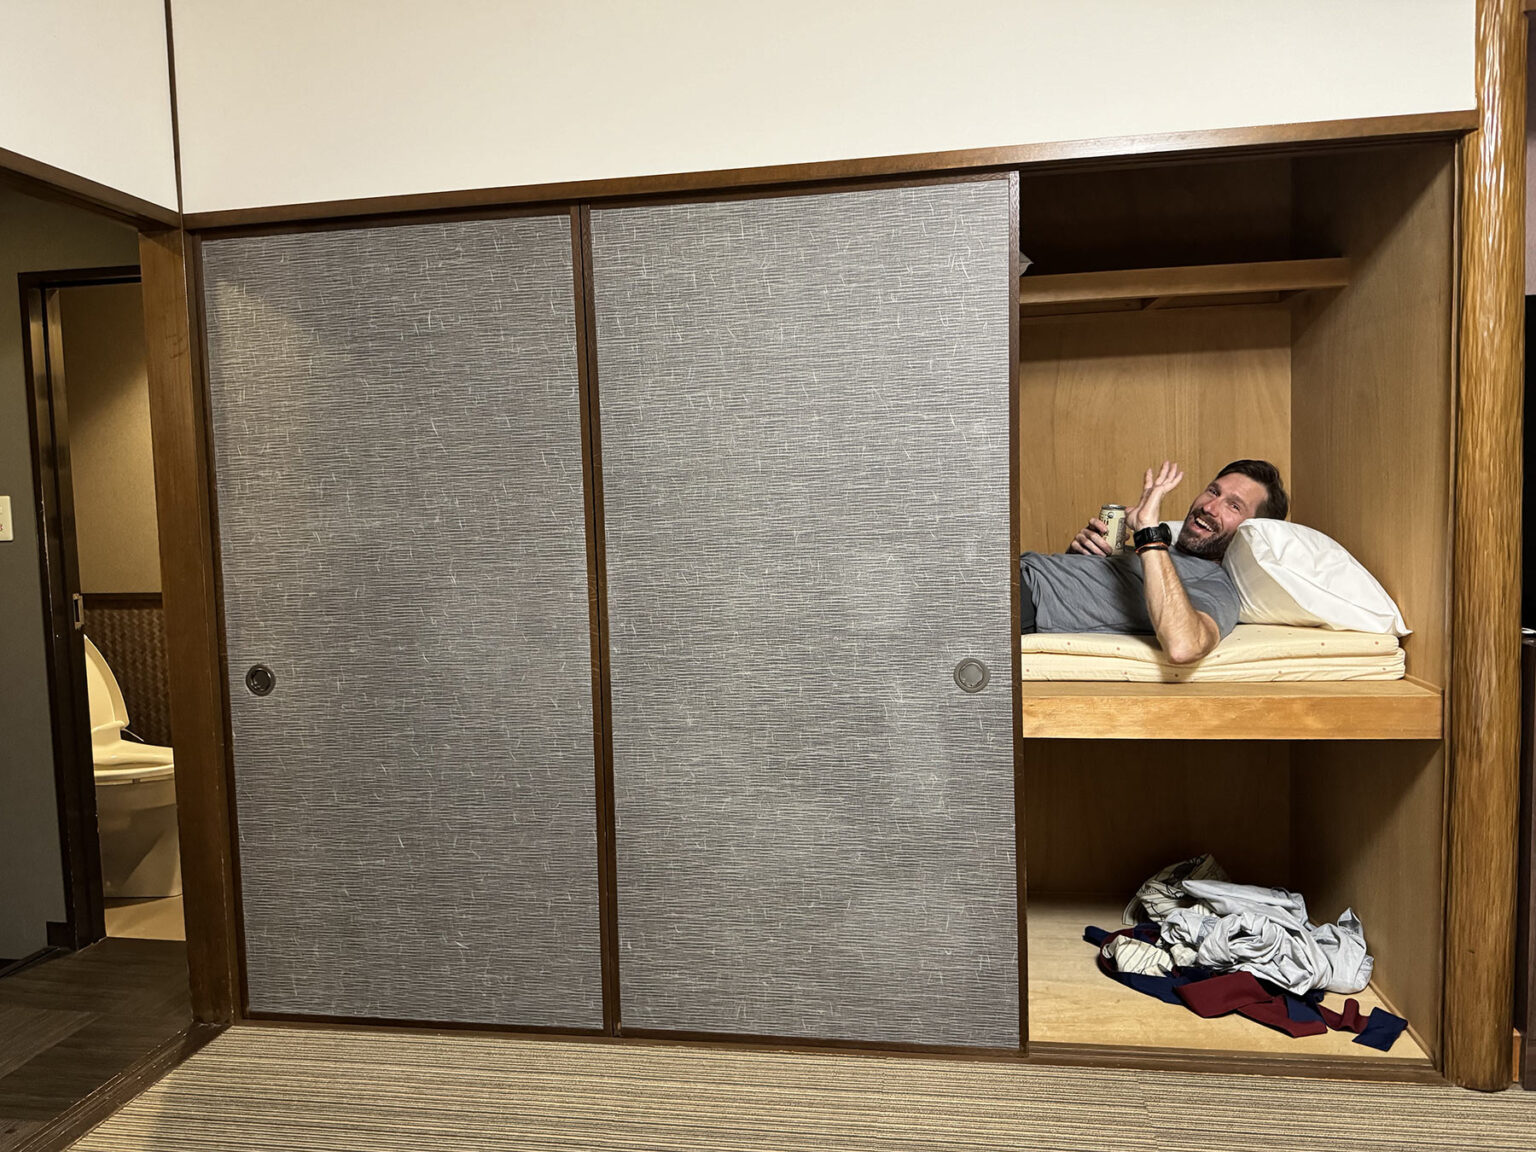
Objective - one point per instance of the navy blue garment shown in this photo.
(1382, 1030)
(1298, 1009)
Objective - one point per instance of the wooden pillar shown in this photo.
(1485, 636)
(188, 564)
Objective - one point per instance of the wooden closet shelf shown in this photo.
(1344, 710)
(1143, 289)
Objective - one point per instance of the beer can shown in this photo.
(1113, 516)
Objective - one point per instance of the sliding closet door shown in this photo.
(400, 499)
(804, 410)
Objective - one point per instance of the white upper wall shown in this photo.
(85, 86)
(292, 101)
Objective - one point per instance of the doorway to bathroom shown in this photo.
(86, 365)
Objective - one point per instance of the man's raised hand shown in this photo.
(1154, 487)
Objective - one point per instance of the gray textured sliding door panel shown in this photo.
(804, 409)
(398, 444)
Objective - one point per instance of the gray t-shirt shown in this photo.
(1076, 593)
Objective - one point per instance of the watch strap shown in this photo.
(1157, 534)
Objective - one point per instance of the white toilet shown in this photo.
(135, 796)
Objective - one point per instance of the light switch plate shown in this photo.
(6, 531)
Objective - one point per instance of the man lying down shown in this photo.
(1175, 588)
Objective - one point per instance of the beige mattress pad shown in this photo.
(1256, 653)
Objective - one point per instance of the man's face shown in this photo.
(1226, 502)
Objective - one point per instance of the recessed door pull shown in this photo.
(971, 675)
(260, 680)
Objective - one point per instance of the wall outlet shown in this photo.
(6, 531)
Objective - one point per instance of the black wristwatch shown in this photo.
(1157, 534)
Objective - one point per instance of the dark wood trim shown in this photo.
(46, 182)
(1485, 629)
(1232, 1063)
(1016, 660)
(1119, 149)
(84, 277)
(396, 1024)
(122, 600)
(53, 498)
(193, 622)
(597, 608)
(1070, 1055)
(751, 1042)
(391, 220)
(67, 1127)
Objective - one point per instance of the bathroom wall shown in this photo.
(34, 236)
(111, 457)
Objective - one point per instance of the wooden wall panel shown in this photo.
(1102, 398)
(1102, 816)
(1371, 380)
(1371, 395)
(1224, 212)
(1366, 834)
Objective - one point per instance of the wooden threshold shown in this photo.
(1339, 710)
(1132, 289)
(64, 1129)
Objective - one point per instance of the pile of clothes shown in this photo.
(1216, 947)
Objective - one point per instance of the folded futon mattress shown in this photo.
(1252, 652)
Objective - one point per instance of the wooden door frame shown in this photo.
(58, 559)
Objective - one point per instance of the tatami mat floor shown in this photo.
(260, 1088)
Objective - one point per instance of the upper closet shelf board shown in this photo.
(1134, 289)
(1346, 710)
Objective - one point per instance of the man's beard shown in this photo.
(1208, 545)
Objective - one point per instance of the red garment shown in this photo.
(1222, 994)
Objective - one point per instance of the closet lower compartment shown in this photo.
(1072, 1002)
(1345, 823)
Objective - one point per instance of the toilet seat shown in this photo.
(125, 762)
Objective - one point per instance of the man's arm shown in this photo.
(1186, 634)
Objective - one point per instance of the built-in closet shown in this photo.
(619, 597)
(1297, 309)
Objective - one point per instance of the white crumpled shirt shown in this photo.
(1266, 931)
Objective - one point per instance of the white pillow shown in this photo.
(1291, 574)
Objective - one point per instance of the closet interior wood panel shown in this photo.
(400, 500)
(1181, 798)
(1121, 392)
(805, 442)
(1373, 394)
